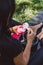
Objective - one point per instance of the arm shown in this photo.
(23, 57)
(40, 35)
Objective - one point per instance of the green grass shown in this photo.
(26, 9)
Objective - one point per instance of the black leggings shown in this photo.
(37, 58)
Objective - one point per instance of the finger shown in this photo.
(30, 32)
(14, 29)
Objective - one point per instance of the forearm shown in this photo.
(40, 36)
(26, 53)
(23, 57)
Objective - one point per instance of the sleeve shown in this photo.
(13, 23)
(15, 48)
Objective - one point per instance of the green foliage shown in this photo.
(26, 9)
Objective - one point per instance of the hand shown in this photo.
(18, 29)
(30, 36)
(14, 29)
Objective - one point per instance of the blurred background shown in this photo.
(27, 9)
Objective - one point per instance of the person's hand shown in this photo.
(18, 29)
(30, 36)
(14, 29)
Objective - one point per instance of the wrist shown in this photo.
(29, 44)
(29, 41)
